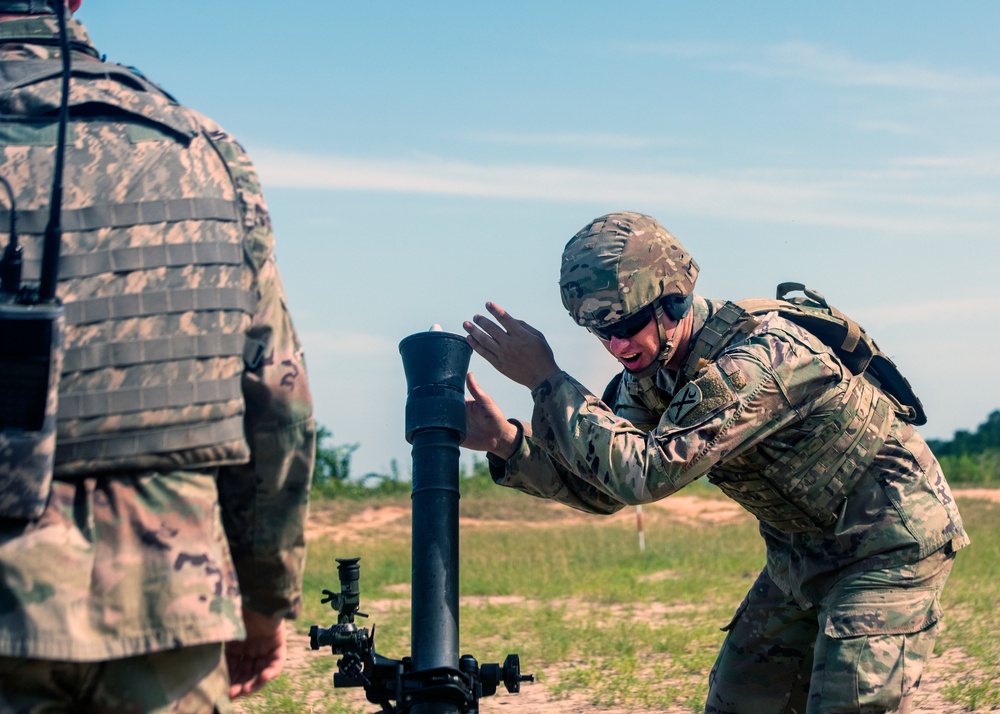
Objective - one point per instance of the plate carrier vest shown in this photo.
(803, 491)
(153, 272)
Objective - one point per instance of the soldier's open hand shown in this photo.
(515, 348)
(487, 429)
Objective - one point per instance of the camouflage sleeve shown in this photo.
(265, 502)
(534, 471)
(732, 405)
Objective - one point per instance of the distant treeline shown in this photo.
(968, 458)
(332, 477)
(972, 457)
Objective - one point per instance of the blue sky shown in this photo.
(422, 158)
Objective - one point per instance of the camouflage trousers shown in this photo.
(860, 649)
(188, 680)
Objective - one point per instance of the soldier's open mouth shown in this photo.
(629, 360)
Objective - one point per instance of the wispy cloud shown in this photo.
(351, 344)
(819, 64)
(952, 311)
(983, 165)
(918, 195)
(571, 140)
(823, 65)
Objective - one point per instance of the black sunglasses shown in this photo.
(626, 327)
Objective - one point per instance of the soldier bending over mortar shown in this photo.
(859, 523)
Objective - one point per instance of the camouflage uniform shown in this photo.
(185, 433)
(874, 576)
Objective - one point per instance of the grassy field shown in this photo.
(597, 621)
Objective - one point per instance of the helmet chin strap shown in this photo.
(666, 349)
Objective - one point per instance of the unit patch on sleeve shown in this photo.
(701, 397)
(683, 402)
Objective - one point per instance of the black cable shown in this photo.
(12, 261)
(53, 231)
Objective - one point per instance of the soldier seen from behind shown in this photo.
(859, 524)
(168, 549)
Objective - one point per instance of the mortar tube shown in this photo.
(435, 618)
(435, 364)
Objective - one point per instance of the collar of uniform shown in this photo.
(44, 30)
(701, 311)
(666, 380)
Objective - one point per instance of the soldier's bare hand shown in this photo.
(260, 658)
(515, 348)
(486, 427)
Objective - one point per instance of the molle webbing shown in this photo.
(148, 257)
(191, 415)
(165, 302)
(173, 440)
(125, 215)
(154, 272)
(158, 349)
(830, 463)
(802, 491)
(646, 392)
(162, 349)
(122, 401)
(144, 304)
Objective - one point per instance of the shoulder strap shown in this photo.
(848, 340)
(143, 100)
(853, 335)
(728, 321)
(14, 75)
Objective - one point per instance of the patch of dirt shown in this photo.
(987, 494)
(942, 670)
(686, 509)
(694, 509)
(536, 698)
(322, 526)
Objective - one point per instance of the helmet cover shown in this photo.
(620, 263)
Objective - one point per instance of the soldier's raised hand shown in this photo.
(515, 348)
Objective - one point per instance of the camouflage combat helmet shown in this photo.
(620, 263)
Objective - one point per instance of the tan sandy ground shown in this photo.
(535, 698)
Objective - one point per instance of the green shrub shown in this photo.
(981, 469)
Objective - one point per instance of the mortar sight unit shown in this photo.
(434, 679)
